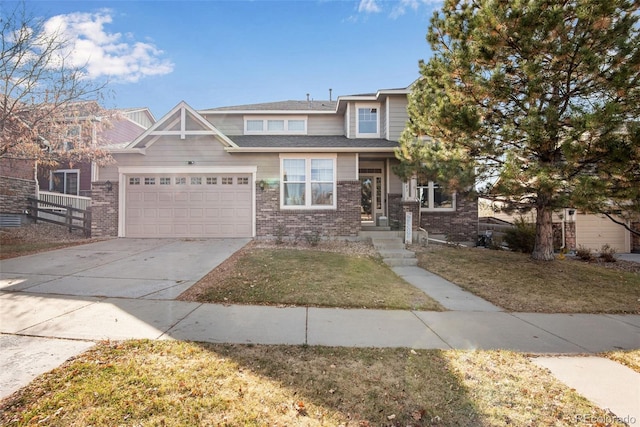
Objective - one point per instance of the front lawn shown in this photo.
(517, 283)
(170, 383)
(308, 277)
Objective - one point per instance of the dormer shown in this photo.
(374, 115)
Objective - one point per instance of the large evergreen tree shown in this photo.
(537, 100)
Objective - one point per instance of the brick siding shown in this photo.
(273, 222)
(17, 168)
(458, 226)
(14, 193)
(104, 210)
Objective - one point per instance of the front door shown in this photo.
(372, 206)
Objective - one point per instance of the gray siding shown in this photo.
(204, 151)
(394, 186)
(397, 116)
(227, 124)
(329, 124)
(347, 170)
(382, 116)
(168, 152)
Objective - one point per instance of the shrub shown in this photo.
(607, 253)
(281, 230)
(584, 253)
(521, 238)
(312, 238)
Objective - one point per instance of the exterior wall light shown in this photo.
(109, 186)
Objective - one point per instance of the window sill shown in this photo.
(307, 208)
(443, 210)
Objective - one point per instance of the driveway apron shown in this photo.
(118, 268)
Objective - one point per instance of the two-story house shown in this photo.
(283, 169)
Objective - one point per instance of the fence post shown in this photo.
(69, 219)
(34, 210)
(87, 223)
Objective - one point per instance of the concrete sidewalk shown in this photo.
(94, 318)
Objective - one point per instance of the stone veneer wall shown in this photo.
(14, 193)
(395, 211)
(273, 223)
(569, 235)
(458, 226)
(104, 210)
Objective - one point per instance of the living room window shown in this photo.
(308, 182)
(367, 121)
(65, 181)
(432, 197)
(275, 125)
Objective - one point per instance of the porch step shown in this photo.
(391, 247)
(368, 233)
(400, 262)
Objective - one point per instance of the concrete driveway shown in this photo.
(120, 268)
(90, 286)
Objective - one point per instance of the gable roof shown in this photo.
(278, 107)
(181, 121)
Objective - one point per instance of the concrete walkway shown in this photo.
(54, 315)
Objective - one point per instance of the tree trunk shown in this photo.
(543, 249)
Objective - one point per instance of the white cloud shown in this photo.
(401, 8)
(103, 53)
(369, 6)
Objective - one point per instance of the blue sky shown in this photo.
(220, 53)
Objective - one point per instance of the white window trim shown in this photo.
(65, 171)
(367, 135)
(286, 130)
(430, 188)
(307, 158)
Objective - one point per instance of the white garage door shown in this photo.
(188, 205)
(593, 231)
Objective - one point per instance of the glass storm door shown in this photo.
(371, 198)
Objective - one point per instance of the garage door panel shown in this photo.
(181, 197)
(196, 197)
(134, 196)
(134, 213)
(212, 197)
(165, 213)
(192, 205)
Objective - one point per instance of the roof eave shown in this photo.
(263, 112)
(309, 149)
(127, 151)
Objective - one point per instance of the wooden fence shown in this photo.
(68, 216)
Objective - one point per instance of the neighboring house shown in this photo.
(574, 229)
(124, 126)
(20, 179)
(283, 169)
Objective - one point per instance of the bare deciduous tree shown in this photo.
(45, 100)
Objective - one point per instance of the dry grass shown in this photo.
(517, 283)
(629, 358)
(172, 383)
(33, 238)
(307, 277)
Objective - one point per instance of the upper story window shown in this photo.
(367, 120)
(275, 125)
(433, 197)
